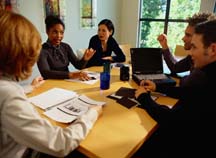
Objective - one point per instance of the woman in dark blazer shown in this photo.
(104, 44)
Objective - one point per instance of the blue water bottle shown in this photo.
(104, 80)
(106, 66)
(105, 76)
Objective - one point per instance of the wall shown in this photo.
(74, 35)
(207, 5)
(130, 22)
(123, 13)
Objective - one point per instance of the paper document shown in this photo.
(52, 97)
(69, 111)
(63, 105)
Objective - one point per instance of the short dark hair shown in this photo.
(108, 24)
(208, 32)
(200, 17)
(52, 20)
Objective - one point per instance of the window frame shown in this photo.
(166, 20)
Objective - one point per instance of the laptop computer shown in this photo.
(147, 63)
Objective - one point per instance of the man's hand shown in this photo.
(148, 85)
(162, 39)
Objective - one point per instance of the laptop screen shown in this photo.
(146, 60)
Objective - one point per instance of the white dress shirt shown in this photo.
(21, 126)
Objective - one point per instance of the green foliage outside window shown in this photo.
(153, 20)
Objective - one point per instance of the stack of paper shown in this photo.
(52, 97)
(63, 105)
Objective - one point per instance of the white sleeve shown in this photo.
(27, 88)
(25, 126)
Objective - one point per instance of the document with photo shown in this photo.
(69, 111)
(63, 105)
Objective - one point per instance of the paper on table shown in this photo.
(59, 116)
(94, 75)
(90, 101)
(52, 97)
(63, 105)
(69, 111)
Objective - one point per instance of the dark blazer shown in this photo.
(112, 46)
(187, 128)
(53, 61)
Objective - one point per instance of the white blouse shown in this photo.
(21, 126)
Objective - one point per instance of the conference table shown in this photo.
(119, 131)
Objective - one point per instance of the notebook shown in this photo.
(147, 63)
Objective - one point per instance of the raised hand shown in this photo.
(162, 39)
(88, 54)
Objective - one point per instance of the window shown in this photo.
(215, 8)
(164, 16)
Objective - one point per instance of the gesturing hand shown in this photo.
(162, 39)
(36, 82)
(88, 54)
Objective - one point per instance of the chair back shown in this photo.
(126, 50)
(180, 51)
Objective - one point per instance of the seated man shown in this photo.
(184, 64)
(187, 128)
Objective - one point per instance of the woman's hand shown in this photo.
(36, 82)
(108, 58)
(88, 54)
(80, 75)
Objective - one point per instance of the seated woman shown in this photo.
(56, 55)
(104, 44)
(23, 132)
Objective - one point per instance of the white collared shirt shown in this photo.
(21, 126)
